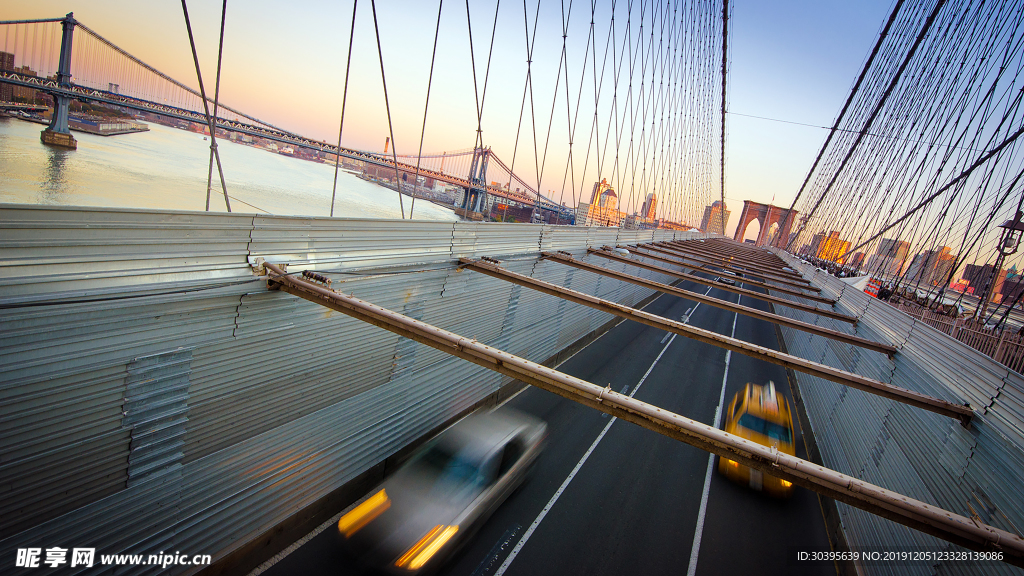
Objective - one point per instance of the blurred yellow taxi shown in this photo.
(760, 414)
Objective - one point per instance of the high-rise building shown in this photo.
(830, 247)
(6, 90)
(24, 92)
(895, 248)
(603, 208)
(604, 196)
(715, 218)
(889, 258)
(637, 222)
(1011, 290)
(648, 208)
(599, 189)
(978, 277)
(931, 267)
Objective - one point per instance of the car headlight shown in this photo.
(432, 541)
(364, 513)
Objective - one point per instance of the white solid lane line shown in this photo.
(526, 536)
(699, 532)
(529, 531)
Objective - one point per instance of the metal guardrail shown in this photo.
(1003, 346)
(975, 472)
(116, 325)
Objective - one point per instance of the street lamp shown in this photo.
(1009, 241)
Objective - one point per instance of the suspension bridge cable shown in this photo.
(936, 111)
(522, 107)
(533, 116)
(387, 106)
(479, 97)
(554, 98)
(487, 69)
(963, 175)
(725, 55)
(344, 99)
(216, 99)
(571, 119)
(206, 106)
(426, 103)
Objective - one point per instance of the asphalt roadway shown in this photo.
(638, 503)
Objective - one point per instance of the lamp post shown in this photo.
(1009, 241)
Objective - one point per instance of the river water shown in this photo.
(166, 168)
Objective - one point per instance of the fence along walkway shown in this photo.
(1003, 346)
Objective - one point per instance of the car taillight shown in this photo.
(415, 557)
(364, 513)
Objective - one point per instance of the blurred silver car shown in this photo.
(421, 514)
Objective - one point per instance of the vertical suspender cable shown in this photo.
(344, 97)
(426, 103)
(479, 145)
(216, 99)
(725, 53)
(387, 106)
(206, 105)
(522, 106)
(554, 98)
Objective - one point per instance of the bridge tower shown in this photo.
(476, 194)
(58, 133)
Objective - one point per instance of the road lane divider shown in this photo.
(565, 484)
(699, 532)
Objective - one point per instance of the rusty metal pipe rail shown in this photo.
(874, 499)
(736, 249)
(648, 252)
(740, 268)
(714, 246)
(735, 289)
(668, 258)
(760, 352)
(725, 305)
(774, 270)
(735, 264)
(741, 250)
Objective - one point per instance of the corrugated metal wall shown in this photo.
(156, 397)
(976, 471)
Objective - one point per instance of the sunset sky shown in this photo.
(285, 63)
